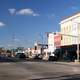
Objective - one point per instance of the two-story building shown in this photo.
(70, 31)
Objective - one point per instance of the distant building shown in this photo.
(39, 47)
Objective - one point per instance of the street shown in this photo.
(39, 71)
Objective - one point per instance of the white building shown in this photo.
(54, 40)
(70, 26)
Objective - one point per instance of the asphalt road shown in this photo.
(39, 71)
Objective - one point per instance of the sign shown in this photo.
(57, 40)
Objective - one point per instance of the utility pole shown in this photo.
(78, 49)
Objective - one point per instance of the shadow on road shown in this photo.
(8, 59)
(65, 77)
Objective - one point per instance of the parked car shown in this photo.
(20, 55)
(52, 57)
(56, 55)
(38, 57)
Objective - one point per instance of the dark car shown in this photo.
(52, 57)
(59, 52)
(38, 57)
(56, 55)
(20, 55)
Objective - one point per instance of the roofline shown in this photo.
(70, 18)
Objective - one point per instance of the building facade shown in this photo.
(54, 41)
(70, 30)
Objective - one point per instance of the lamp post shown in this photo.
(78, 49)
(78, 42)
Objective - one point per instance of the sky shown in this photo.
(22, 22)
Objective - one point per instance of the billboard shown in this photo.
(57, 40)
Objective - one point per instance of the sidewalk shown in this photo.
(75, 64)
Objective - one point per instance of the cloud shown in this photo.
(12, 11)
(35, 14)
(16, 40)
(2, 24)
(26, 11)
(74, 8)
(51, 16)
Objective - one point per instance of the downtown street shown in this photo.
(39, 70)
